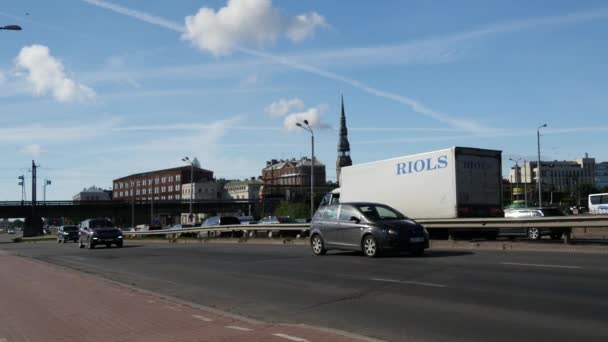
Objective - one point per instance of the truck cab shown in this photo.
(332, 197)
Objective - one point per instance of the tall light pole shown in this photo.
(539, 175)
(307, 127)
(46, 182)
(517, 171)
(22, 184)
(191, 162)
(525, 186)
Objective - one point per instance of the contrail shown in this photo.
(150, 19)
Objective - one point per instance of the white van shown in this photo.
(598, 203)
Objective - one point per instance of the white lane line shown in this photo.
(537, 265)
(408, 282)
(202, 318)
(291, 338)
(236, 327)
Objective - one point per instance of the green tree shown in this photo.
(293, 210)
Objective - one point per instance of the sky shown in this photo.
(94, 90)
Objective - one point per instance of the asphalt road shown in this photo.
(448, 295)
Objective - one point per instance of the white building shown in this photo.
(92, 193)
(243, 190)
(561, 176)
(208, 190)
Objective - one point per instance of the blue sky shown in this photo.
(95, 90)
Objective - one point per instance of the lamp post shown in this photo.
(46, 182)
(22, 184)
(525, 185)
(307, 127)
(538, 171)
(11, 27)
(517, 172)
(191, 162)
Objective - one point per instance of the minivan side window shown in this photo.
(347, 211)
(330, 213)
(319, 213)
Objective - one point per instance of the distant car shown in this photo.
(67, 233)
(269, 220)
(10, 231)
(372, 228)
(247, 220)
(215, 221)
(99, 232)
(534, 233)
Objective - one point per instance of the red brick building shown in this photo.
(161, 185)
(291, 178)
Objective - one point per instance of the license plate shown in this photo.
(417, 239)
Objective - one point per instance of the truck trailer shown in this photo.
(445, 184)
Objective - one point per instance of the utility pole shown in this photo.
(34, 166)
(525, 186)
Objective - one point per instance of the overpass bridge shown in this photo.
(121, 211)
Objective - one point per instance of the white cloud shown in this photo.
(245, 21)
(33, 150)
(313, 115)
(45, 74)
(2, 77)
(283, 106)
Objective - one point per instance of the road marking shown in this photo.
(408, 282)
(236, 327)
(202, 318)
(538, 265)
(291, 338)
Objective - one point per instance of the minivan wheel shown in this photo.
(317, 245)
(533, 233)
(370, 246)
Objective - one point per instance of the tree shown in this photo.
(293, 210)
(196, 163)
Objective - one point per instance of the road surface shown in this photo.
(448, 295)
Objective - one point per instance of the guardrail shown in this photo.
(598, 221)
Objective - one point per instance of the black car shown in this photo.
(67, 233)
(372, 228)
(99, 232)
(534, 233)
(215, 221)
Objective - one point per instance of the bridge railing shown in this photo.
(599, 221)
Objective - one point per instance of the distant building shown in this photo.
(248, 189)
(158, 185)
(207, 190)
(601, 175)
(92, 193)
(343, 146)
(560, 176)
(289, 179)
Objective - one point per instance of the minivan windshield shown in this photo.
(100, 224)
(377, 212)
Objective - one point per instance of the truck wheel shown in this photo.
(534, 233)
(317, 245)
(370, 246)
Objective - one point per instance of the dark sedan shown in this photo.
(101, 231)
(372, 228)
(67, 233)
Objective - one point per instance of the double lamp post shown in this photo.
(307, 127)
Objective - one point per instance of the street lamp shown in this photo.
(191, 162)
(307, 127)
(11, 27)
(46, 182)
(540, 183)
(22, 184)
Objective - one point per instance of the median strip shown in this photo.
(291, 338)
(538, 265)
(408, 282)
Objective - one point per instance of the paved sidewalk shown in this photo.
(43, 302)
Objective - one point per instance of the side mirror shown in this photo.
(354, 219)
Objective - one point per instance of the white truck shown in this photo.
(451, 183)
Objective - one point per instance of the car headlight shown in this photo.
(391, 231)
(64, 233)
(95, 237)
(120, 236)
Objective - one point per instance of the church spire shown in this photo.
(343, 145)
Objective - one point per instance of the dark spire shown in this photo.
(343, 145)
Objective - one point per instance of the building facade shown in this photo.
(248, 189)
(560, 176)
(601, 175)
(92, 193)
(207, 190)
(343, 146)
(288, 179)
(161, 185)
